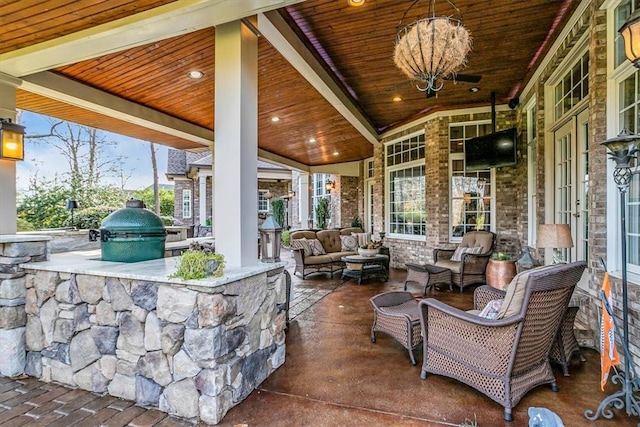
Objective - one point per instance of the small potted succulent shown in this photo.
(198, 262)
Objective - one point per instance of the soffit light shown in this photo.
(630, 32)
(312, 140)
(431, 48)
(11, 140)
(397, 99)
(275, 119)
(195, 74)
(355, 3)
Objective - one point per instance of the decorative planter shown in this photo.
(500, 272)
(367, 252)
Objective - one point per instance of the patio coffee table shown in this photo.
(362, 267)
(427, 275)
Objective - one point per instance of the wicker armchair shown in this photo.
(471, 267)
(505, 357)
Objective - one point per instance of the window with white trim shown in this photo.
(628, 110)
(186, 204)
(470, 192)
(532, 172)
(406, 187)
(573, 87)
(263, 204)
(369, 168)
(319, 182)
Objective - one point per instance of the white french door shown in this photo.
(368, 223)
(571, 163)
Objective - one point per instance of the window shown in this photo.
(263, 204)
(532, 171)
(573, 87)
(629, 108)
(320, 190)
(470, 192)
(369, 168)
(186, 204)
(406, 187)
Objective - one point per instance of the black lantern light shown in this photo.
(630, 32)
(11, 140)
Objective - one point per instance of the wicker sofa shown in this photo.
(332, 245)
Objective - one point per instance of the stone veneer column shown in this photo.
(16, 250)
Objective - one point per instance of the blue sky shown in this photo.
(44, 162)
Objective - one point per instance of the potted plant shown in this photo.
(322, 213)
(370, 249)
(500, 270)
(198, 262)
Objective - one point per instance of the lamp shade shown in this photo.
(11, 140)
(630, 32)
(554, 236)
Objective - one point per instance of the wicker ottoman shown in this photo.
(397, 314)
(427, 275)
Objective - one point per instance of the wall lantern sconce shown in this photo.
(12, 140)
(630, 32)
(330, 185)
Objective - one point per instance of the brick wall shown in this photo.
(350, 195)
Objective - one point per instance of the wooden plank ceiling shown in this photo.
(354, 43)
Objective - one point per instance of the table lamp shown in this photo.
(555, 236)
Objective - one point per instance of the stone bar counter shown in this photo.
(193, 349)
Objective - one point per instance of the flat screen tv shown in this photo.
(491, 151)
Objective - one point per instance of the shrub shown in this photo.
(195, 264)
(24, 225)
(89, 218)
(286, 238)
(277, 205)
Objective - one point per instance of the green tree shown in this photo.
(277, 206)
(44, 204)
(165, 196)
(322, 213)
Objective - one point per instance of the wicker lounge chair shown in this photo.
(505, 357)
(470, 269)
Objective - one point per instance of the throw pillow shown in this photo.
(490, 311)
(349, 243)
(316, 247)
(514, 293)
(457, 255)
(363, 238)
(302, 244)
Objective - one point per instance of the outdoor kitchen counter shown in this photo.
(157, 270)
(193, 348)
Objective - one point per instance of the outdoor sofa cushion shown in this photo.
(512, 303)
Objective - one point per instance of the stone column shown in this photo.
(15, 250)
(7, 167)
(236, 144)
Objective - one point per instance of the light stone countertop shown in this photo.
(157, 270)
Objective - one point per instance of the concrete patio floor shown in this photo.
(333, 376)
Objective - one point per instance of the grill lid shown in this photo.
(132, 221)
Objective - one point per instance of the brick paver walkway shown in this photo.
(28, 402)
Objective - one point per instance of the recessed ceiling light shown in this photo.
(397, 99)
(474, 89)
(312, 140)
(335, 153)
(195, 74)
(275, 119)
(355, 3)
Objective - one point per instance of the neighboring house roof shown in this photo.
(182, 163)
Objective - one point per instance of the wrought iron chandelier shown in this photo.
(432, 48)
